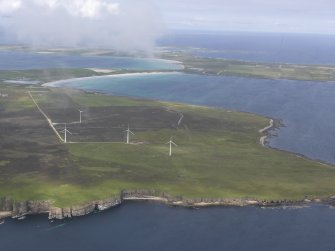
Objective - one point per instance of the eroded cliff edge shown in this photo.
(15, 209)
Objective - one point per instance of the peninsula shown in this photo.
(220, 158)
(230, 67)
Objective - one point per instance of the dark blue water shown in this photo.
(13, 60)
(259, 47)
(140, 226)
(306, 108)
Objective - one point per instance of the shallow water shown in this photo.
(14, 60)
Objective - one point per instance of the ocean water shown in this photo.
(146, 226)
(306, 108)
(259, 47)
(15, 60)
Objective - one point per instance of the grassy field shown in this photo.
(218, 153)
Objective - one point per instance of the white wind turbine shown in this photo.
(128, 134)
(171, 143)
(80, 112)
(65, 131)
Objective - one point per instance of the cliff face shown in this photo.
(22, 208)
(61, 213)
(11, 208)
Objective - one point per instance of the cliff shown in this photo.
(68, 212)
(11, 208)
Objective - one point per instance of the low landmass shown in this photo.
(191, 63)
(229, 67)
(42, 76)
(220, 158)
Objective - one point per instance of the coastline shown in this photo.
(265, 131)
(17, 210)
(59, 83)
(10, 208)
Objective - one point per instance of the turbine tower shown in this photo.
(65, 131)
(128, 134)
(80, 112)
(171, 143)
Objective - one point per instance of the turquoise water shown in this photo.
(14, 60)
(306, 108)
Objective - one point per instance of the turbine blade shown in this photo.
(174, 144)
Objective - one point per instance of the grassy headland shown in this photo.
(218, 153)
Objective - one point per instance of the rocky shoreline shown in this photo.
(10, 208)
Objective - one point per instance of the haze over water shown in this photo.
(259, 47)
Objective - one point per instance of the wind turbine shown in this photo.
(128, 134)
(65, 131)
(171, 143)
(80, 112)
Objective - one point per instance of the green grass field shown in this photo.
(218, 153)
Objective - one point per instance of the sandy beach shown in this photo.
(60, 82)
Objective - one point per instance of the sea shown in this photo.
(305, 109)
(24, 60)
(257, 47)
(154, 227)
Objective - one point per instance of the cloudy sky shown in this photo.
(125, 25)
(136, 24)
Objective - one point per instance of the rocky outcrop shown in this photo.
(22, 208)
(5, 214)
(75, 211)
(6, 204)
(107, 204)
(56, 213)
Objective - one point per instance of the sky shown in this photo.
(136, 24)
(296, 16)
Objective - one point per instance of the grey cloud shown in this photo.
(134, 27)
